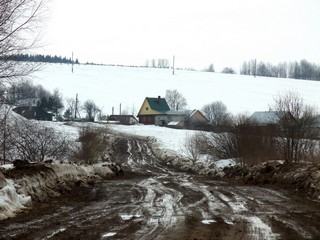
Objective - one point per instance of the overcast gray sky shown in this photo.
(197, 32)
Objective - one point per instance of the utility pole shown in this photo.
(255, 67)
(72, 63)
(173, 65)
(76, 107)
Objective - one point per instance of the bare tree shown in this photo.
(5, 131)
(91, 109)
(18, 19)
(163, 63)
(297, 126)
(217, 113)
(70, 109)
(191, 147)
(175, 100)
(210, 68)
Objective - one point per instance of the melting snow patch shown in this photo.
(229, 222)
(260, 229)
(54, 233)
(208, 221)
(127, 217)
(109, 234)
(11, 201)
(7, 166)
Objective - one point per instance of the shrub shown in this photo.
(34, 142)
(93, 145)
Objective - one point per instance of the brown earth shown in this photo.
(155, 201)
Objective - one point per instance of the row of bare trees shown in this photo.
(296, 70)
(295, 138)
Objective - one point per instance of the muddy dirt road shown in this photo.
(152, 201)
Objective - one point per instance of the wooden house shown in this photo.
(195, 119)
(156, 111)
(153, 111)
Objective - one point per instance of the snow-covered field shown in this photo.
(111, 86)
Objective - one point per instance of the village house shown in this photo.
(153, 111)
(156, 111)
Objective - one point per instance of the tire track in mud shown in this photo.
(156, 202)
(254, 209)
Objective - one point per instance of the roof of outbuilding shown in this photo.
(268, 117)
(158, 104)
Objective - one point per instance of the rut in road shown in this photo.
(153, 201)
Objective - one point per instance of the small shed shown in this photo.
(263, 118)
(196, 118)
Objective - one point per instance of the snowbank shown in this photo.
(49, 181)
(10, 201)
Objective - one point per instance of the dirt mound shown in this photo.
(303, 178)
(27, 169)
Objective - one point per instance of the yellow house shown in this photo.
(153, 111)
(157, 111)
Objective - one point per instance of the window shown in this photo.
(147, 108)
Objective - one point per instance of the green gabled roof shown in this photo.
(158, 104)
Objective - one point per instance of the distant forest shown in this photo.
(38, 58)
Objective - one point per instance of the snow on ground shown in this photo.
(16, 195)
(172, 142)
(10, 200)
(168, 138)
(111, 86)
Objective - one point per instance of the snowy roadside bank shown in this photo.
(44, 181)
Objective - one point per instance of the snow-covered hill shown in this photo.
(111, 86)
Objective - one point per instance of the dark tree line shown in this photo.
(38, 58)
(296, 70)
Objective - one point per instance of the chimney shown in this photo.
(158, 101)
